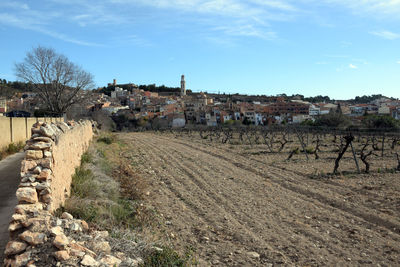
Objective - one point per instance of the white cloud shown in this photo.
(380, 8)
(351, 66)
(232, 18)
(34, 24)
(386, 35)
(248, 18)
(281, 5)
(398, 62)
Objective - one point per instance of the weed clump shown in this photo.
(165, 256)
(86, 158)
(12, 148)
(108, 139)
(310, 150)
(83, 184)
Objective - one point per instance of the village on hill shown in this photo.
(131, 105)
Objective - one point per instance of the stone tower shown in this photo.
(183, 86)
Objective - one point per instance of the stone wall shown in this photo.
(52, 154)
(15, 130)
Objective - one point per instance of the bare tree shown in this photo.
(54, 78)
(364, 154)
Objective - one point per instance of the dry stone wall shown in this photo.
(15, 130)
(52, 154)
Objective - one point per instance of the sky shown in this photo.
(339, 48)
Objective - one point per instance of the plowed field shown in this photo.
(228, 203)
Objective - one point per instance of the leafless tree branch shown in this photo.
(55, 79)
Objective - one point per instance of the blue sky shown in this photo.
(340, 48)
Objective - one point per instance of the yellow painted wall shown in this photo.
(30, 122)
(18, 129)
(5, 133)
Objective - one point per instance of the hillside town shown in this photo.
(177, 109)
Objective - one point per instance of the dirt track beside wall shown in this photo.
(241, 209)
(10, 169)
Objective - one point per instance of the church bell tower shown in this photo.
(183, 86)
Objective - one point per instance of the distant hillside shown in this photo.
(9, 89)
(151, 87)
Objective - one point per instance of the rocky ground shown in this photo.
(66, 241)
(238, 205)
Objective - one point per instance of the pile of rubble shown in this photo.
(65, 241)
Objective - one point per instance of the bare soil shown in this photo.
(226, 201)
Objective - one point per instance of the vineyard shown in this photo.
(361, 145)
(265, 197)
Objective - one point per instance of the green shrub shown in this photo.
(86, 158)
(380, 122)
(83, 184)
(14, 147)
(82, 209)
(107, 139)
(11, 149)
(166, 257)
(332, 119)
(124, 212)
(310, 150)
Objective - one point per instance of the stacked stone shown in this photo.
(32, 216)
(38, 237)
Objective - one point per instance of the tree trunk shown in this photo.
(348, 139)
(364, 160)
(294, 151)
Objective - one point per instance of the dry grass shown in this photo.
(110, 194)
(12, 148)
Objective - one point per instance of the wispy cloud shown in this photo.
(398, 62)
(250, 18)
(132, 39)
(386, 35)
(14, 5)
(34, 24)
(378, 8)
(64, 37)
(247, 30)
(280, 5)
(231, 18)
(351, 66)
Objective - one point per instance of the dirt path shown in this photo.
(10, 169)
(226, 206)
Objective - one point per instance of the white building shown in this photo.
(314, 110)
(119, 92)
(300, 118)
